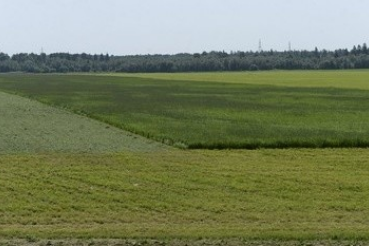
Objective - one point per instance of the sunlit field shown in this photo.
(74, 168)
(255, 194)
(260, 112)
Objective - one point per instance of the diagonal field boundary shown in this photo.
(27, 126)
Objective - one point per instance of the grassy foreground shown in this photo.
(259, 194)
(259, 112)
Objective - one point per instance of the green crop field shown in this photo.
(30, 127)
(205, 114)
(349, 79)
(72, 170)
(254, 194)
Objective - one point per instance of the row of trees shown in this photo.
(357, 57)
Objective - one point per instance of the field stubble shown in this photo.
(255, 195)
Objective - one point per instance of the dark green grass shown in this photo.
(210, 115)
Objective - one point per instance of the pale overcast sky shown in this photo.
(123, 27)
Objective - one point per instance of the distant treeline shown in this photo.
(357, 57)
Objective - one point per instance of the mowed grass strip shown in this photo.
(214, 115)
(255, 194)
(28, 126)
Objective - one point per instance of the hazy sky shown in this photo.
(122, 27)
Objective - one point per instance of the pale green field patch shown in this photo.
(28, 126)
(350, 79)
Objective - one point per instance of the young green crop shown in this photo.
(28, 126)
(346, 79)
(204, 114)
(166, 194)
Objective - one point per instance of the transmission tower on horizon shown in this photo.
(260, 46)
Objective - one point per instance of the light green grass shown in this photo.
(28, 126)
(347, 79)
(260, 194)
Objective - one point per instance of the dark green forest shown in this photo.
(356, 58)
